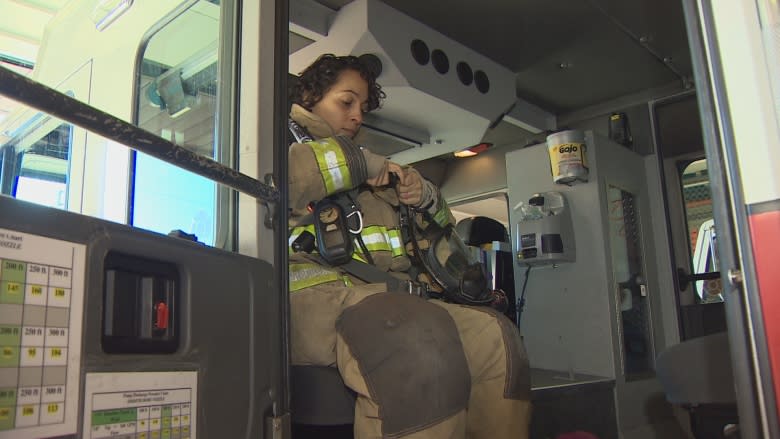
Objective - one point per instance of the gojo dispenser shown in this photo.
(568, 157)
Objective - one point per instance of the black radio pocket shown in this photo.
(333, 238)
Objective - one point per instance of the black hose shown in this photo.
(521, 301)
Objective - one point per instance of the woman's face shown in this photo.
(343, 104)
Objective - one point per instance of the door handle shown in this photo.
(684, 278)
(635, 282)
(635, 285)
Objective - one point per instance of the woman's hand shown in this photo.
(410, 188)
(410, 183)
(383, 177)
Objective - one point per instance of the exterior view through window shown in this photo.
(177, 100)
(701, 229)
(155, 65)
(34, 161)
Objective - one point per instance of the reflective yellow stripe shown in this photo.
(376, 238)
(396, 243)
(379, 238)
(442, 216)
(332, 163)
(359, 257)
(307, 275)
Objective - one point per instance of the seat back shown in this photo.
(698, 371)
(318, 396)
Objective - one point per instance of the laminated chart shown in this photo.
(140, 405)
(41, 301)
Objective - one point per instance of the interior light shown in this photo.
(106, 12)
(473, 150)
(465, 153)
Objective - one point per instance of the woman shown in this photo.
(421, 368)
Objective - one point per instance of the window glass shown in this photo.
(153, 63)
(43, 169)
(34, 160)
(177, 97)
(44, 160)
(34, 147)
(701, 229)
(76, 50)
(770, 17)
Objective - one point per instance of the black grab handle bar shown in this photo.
(46, 99)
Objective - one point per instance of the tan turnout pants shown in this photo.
(492, 411)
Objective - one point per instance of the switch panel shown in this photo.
(140, 309)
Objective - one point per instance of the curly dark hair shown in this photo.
(320, 76)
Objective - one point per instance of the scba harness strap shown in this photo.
(337, 224)
(336, 218)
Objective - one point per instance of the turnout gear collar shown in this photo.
(315, 125)
(317, 128)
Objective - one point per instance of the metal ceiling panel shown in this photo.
(599, 39)
(601, 65)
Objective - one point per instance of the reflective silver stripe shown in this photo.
(382, 238)
(332, 163)
(376, 242)
(336, 175)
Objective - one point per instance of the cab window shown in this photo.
(34, 162)
(156, 64)
(701, 230)
(179, 85)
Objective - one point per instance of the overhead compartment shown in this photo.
(441, 95)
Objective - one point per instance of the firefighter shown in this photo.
(421, 367)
